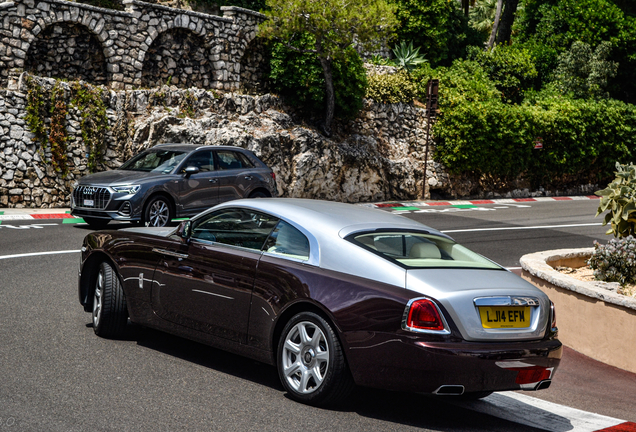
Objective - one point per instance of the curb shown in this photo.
(416, 205)
(64, 213)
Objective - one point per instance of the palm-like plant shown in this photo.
(406, 56)
(482, 15)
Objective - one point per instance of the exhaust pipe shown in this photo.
(450, 390)
(543, 385)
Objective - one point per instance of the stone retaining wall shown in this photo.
(147, 44)
(381, 158)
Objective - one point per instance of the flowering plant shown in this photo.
(615, 261)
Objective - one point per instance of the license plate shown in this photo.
(497, 317)
(89, 203)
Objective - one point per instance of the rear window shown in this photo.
(419, 250)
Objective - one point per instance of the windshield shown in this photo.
(163, 161)
(418, 250)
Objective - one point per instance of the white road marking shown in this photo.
(531, 411)
(38, 254)
(23, 227)
(16, 217)
(522, 227)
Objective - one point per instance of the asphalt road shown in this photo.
(55, 374)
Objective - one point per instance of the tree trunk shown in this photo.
(507, 18)
(495, 25)
(329, 93)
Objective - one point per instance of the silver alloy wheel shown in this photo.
(305, 357)
(97, 299)
(159, 214)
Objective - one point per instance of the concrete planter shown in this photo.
(592, 318)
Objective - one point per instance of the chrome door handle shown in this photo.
(248, 177)
(213, 180)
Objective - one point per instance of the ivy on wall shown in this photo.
(41, 102)
(58, 136)
(50, 107)
(93, 121)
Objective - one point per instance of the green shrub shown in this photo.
(510, 67)
(555, 25)
(298, 78)
(478, 133)
(619, 199)
(393, 88)
(437, 26)
(615, 261)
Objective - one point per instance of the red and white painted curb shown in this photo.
(393, 204)
(548, 416)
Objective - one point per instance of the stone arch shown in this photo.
(67, 50)
(178, 56)
(255, 67)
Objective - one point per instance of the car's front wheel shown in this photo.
(158, 212)
(110, 314)
(311, 363)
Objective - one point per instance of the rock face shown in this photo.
(380, 155)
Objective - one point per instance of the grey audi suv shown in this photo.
(171, 181)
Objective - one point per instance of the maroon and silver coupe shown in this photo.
(334, 295)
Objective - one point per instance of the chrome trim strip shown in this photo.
(170, 253)
(214, 294)
(405, 316)
(450, 394)
(506, 301)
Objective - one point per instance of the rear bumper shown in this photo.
(409, 364)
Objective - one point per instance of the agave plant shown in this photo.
(406, 56)
(619, 197)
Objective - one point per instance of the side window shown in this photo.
(204, 160)
(235, 227)
(228, 160)
(288, 241)
(247, 163)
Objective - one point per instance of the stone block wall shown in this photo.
(124, 49)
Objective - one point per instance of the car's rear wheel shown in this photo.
(110, 314)
(311, 363)
(96, 223)
(158, 212)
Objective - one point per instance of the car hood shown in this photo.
(117, 177)
(456, 290)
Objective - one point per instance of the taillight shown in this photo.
(273, 175)
(423, 315)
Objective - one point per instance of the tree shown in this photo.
(507, 18)
(335, 26)
(495, 25)
(439, 27)
(585, 72)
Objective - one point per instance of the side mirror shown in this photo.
(191, 170)
(184, 230)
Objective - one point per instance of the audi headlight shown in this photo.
(128, 189)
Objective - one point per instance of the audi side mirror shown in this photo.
(191, 170)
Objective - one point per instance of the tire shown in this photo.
(311, 364)
(158, 212)
(96, 223)
(110, 314)
(258, 194)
